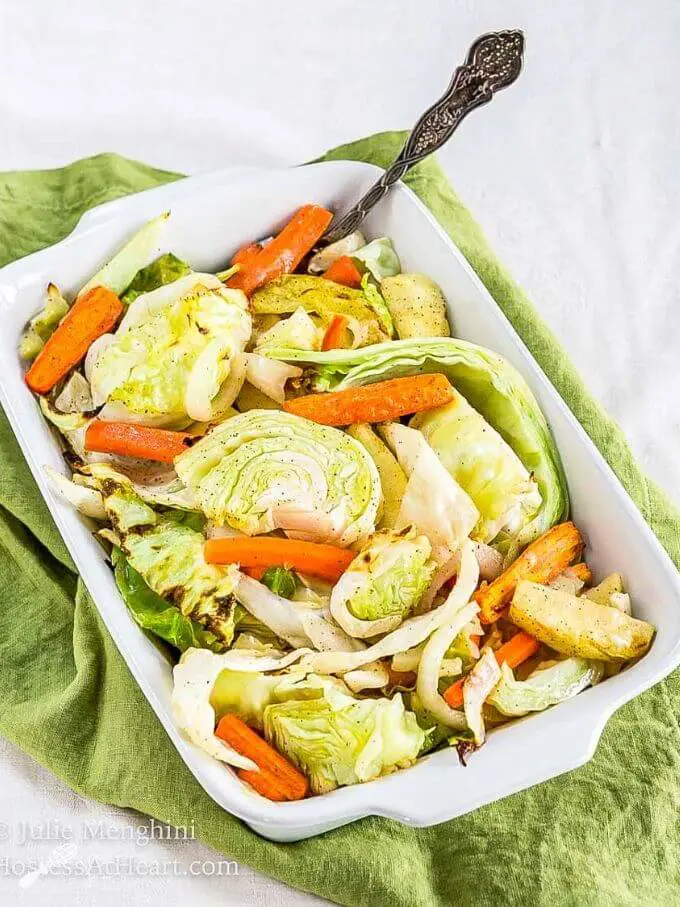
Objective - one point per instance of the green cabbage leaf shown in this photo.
(265, 470)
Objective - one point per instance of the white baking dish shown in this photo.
(211, 216)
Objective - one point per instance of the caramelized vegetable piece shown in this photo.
(602, 593)
(579, 626)
(91, 315)
(381, 402)
(129, 439)
(541, 562)
(517, 650)
(277, 779)
(285, 252)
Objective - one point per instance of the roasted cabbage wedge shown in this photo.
(159, 616)
(265, 470)
(337, 739)
(166, 550)
(384, 583)
(172, 353)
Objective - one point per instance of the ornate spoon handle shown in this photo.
(493, 62)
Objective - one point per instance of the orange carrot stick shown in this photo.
(323, 561)
(254, 572)
(512, 653)
(332, 339)
(277, 778)
(344, 271)
(540, 562)
(95, 313)
(381, 402)
(245, 253)
(285, 252)
(131, 440)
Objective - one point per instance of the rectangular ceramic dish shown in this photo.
(210, 217)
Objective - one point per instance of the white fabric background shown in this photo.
(572, 173)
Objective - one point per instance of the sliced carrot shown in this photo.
(381, 402)
(131, 440)
(512, 653)
(323, 561)
(246, 253)
(332, 339)
(344, 271)
(254, 572)
(540, 562)
(517, 650)
(277, 778)
(285, 252)
(90, 316)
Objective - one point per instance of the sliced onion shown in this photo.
(490, 566)
(194, 677)
(99, 345)
(230, 389)
(490, 561)
(270, 375)
(252, 661)
(279, 614)
(324, 634)
(412, 631)
(449, 563)
(476, 688)
(86, 500)
(405, 662)
(429, 669)
(309, 525)
(322, 260)
(373, 676)
(75, 396)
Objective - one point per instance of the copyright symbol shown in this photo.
(4, 831)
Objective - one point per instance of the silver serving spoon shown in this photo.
(493, 62)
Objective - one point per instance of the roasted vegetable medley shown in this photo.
(348, 528)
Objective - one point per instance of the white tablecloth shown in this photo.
(572, 173)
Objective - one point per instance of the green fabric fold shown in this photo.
(604, 834)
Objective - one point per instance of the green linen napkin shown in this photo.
(607, 833)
